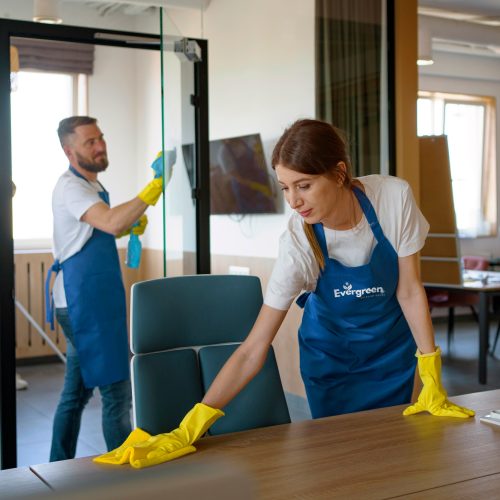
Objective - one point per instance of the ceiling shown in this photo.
(485, 12)
(462, 26)
(444, 19)
(133, 7)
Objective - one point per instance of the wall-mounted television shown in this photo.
(239, 179)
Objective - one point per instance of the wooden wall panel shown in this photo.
(436, 197)
(436, 203)
(440, 247)
(443, 272)
(406, 91)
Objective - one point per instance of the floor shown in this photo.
(36, 405)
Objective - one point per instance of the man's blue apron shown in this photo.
(356, 348)
(96, 306)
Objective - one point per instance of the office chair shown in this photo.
(183, 329)
(444, 298)
(496, 312)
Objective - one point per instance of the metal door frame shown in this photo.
(201, 193)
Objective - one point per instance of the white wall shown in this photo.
(467, 74)
(114, 105)
(261, 78)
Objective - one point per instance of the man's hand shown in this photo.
(170, 159)
(138, 228)
(152, 192)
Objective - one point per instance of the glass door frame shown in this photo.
(201, 192)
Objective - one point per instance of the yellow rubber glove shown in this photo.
(141, 227)
(136, 229)
(179, 442)
(433, 397)
(152, 192)
(121, 454)
(159, 164)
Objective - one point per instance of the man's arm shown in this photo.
(117, 219)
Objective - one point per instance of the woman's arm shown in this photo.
(247, 360)
(413, 301)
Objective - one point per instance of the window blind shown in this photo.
(56, 56)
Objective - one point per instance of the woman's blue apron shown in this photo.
(356, 348)
(96, 306)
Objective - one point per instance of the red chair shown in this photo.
(476, 262)
(438, 297)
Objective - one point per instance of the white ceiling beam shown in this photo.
(459, 31)
(184, 4)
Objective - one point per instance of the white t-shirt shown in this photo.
(71, 198)
(401, 220)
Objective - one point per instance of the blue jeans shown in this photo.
(116, 404)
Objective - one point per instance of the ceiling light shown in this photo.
(424, 47)
(46, 11)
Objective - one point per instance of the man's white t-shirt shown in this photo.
(402, 223)
(71, 198)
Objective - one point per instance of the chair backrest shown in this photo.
(183, 329)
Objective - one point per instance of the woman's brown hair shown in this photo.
(314, 147)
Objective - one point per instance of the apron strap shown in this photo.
(49, 300)
(369, 212)
(302, 299)
(320, 236)
(370, 215)
(104, 195)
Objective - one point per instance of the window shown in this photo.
(39, 100)
(469, 124)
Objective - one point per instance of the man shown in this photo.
(88, 291)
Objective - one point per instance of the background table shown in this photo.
(485, 290)
(376, 454)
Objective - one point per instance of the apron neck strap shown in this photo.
(370, 215)
(320, 236)
(104, 195)
(369, 212)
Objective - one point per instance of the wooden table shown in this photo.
(21, 481)
(376, 454)
(485, 291)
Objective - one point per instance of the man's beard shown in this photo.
(93, 166)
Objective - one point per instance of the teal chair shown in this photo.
(183, 329)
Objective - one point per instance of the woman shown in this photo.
(352, 244)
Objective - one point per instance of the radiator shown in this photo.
(30, 270)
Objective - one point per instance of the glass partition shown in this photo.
(180, 114)
(144, 91)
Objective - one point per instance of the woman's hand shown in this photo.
(433, 397)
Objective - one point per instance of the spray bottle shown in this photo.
(134, 250)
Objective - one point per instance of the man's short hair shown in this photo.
(68, 125)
